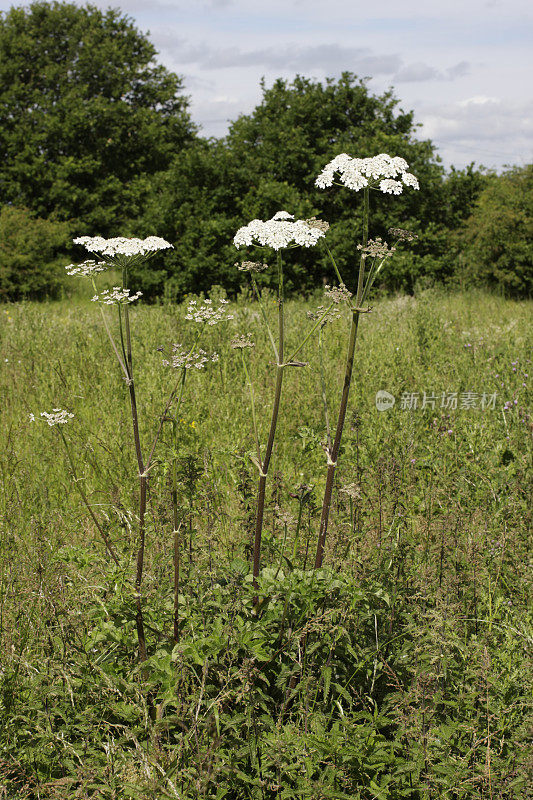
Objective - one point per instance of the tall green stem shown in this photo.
(273, 423)
(334, 451)
(175, 515)
(126, 337)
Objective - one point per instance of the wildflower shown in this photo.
(57, 417)
(251, 266)
(241, 342)
(122, 246)
(32, 417)
(352, 490)
(117, 295)
(389, 186)
(358, 173)
(86, 268)
(280, 231)
(404, 235)
(377, 248)
(206, 312)
(182, 358)
(284, 517)
(329, 317)
(337, 293)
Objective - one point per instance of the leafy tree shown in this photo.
(496, 241)
(32, 252)
(297, 129)
(270, 160)
(86, 116)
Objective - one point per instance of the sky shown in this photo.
(465, 67)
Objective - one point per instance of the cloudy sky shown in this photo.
(464, 66)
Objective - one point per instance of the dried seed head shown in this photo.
(377, 248)
(320, 224)
(402, 234)
(251, 266)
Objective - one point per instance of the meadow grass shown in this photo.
(413, 679)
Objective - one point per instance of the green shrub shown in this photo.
(31, 264)
(497, 239)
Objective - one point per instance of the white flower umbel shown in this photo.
(280, 231)
(387, 173)
(86, 268)
(207, 312)
(122, 246)
(185, 359)
(112, 297)
(57, 417)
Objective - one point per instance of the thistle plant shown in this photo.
(389, 175)
(278, 233)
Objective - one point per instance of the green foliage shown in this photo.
(86, 115)
(496, 243)
(31, 264)
(270, 160)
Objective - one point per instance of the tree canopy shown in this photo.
(86, 116)
(96, 135)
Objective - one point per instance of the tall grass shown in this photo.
(413, 681)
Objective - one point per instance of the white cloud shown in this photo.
(488, 130)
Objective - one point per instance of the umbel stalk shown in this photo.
(334, 452)
(265, 463)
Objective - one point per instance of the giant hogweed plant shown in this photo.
(123, 254)
(379, 173)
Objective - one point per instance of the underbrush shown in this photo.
(398, 670)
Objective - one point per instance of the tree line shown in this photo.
(96, 138)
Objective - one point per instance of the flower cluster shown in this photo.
(57, 417)
(251, 266)
(86, 268)
(185, 359)
(122, 246)
(403, 235)
(207, 312)
(241, 342)
(111, 297)
(358, 173)
(280, 231)
(377, 248)
(332, 314)
(337, 293)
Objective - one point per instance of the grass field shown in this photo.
(400, 670)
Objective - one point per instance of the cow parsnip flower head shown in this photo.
(122, 246)
(280, 231)
(387, 173)
(182, 358)
(86, 268)
(58, 417)
(116, 296)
